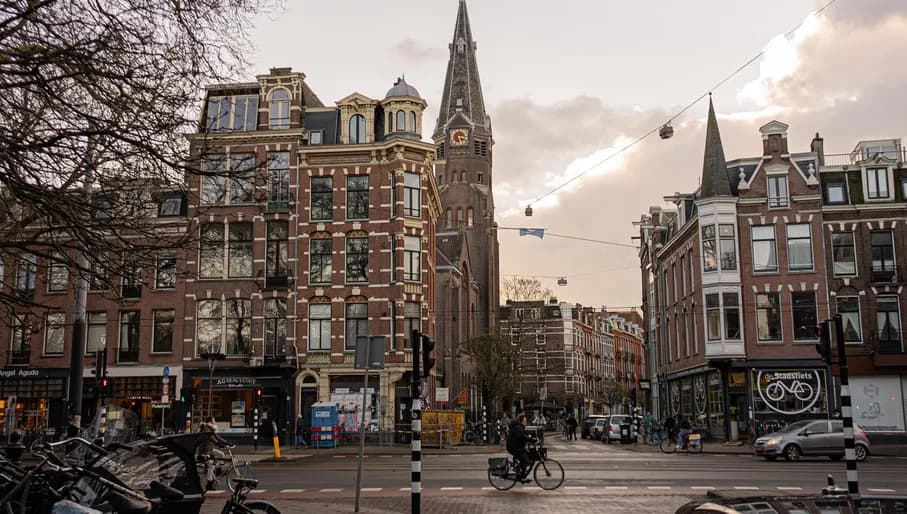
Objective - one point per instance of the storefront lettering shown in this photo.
(234, 382)
(20, 373)
(789, 392)
(699, 394)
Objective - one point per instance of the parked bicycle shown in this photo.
(547, 473)
(692, 443)
(227, 468)
(472, 433)
(237, 503)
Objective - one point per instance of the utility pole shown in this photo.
(853, 484)
(416, 459)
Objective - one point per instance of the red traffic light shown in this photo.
(258, 392)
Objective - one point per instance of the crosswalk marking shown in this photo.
(371, 489)
(745, 488)
(783, 488)
(881, 490)
(292, 491)
(330, 490)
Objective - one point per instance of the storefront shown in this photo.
(32, 398)
(878, 404)
(699, 397)
(781, 396)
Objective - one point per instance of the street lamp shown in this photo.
(212, 354)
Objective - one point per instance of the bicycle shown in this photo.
(547, 473)
(229, 472)
(237, 503)
(692, 443)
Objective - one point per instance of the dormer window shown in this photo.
(357, 129)
(835, 193)
(171, 205)
(877, 183)
(280, 109)
(315, 137)
(232, 113)
(777, 192)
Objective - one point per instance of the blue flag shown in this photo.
(537, 232)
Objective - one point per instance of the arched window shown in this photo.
(280, 109)
(469, 219)
(462, 176)
(401, 121)
(440, 178)
(357, 129)
(449, 218)
(390, 122)
(412, 121)
(459, 217)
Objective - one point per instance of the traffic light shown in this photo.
(185, 393)
(258, 392)
(104, 387)
(428, 361)
(823, 347)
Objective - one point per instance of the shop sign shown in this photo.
(789, 391)
(25, 373)
(234, 382)
(645, 385)
(699, 394)
(160, 405)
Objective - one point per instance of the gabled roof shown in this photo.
(714, 168)
(452, 248)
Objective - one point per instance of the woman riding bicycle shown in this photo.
(516, 446)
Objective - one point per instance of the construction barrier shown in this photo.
(448, 422)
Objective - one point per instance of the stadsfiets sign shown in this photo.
(789, 392)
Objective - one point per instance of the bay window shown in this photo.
(728, 247)
(713, 317)
(709, 260)
(731, 315)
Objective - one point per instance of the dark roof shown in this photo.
(714, 168)
(450, 246)
(326, 122)
(733, 174)
(309, 98)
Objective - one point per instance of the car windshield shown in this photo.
(619, 419)
(797, 425)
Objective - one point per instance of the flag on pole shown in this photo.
(462, 398)
(537, 232)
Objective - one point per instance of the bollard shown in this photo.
(275, 440)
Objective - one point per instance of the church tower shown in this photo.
(464, 171)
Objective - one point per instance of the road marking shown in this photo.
(451, 488)
(258, 491)
(576, 487)
(782, 488)
(617, 487)
(330, 490)
(385, 456)
(406, 488)
(219, 491)
(881, 490)
(702, 487)
(745, 488)
(339, 456)
(659, 487)
(487, 488)
(371, 489)
(286, 491)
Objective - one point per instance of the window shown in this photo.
(320, 327)
(275, 327)
(713, 317)
(412, 258)
(57, 273)
(835, 193)
(280, 109)
(240, 250)
(214, 180)
(843, 254)
(279, 180)
(242, 180)
(357, 197)
(97, 332)
(768, 316)
(480, 178)
(26, 272)
(674, 293)
(888, 321)
(20, 344)
(129, 337)
(692, 272)
(777, 191)
(462, 176)
(877, 183)
(731, 315)
(803, 305)
(849, 309)
(765, 256)
(799, 247)
(390, 122)
(97, 275)
(401, 121)
(165, 271)
(132, 276)
(228, 177)
(412, 121)
(320, 260)
(460, 218)
(209, 326)
(322, 198)
(54, 330)
(469, 217)
(356, 323)
(211, 252)
(683, 276)
(412, 195)
(728, 247)
(904, 189)
(315, 137)
(883, 269)
(449, 218)
(238, 327)
(709, 262)
(171, 205)
(276, 260)
(357, 129)
(236, 113)
(412, 320)
(163, 331)
(357, 259)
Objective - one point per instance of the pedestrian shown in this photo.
(300, 432)
(571, 425)
(684, 430)
(669, 424)
(647, 422)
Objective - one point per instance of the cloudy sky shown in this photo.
(567, 83)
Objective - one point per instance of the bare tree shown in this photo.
(522, 289)
(496, 361)
(103, 92)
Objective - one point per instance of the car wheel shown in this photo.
(771, 458)
(792, 452)
(861, 452)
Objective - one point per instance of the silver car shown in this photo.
(811, 437)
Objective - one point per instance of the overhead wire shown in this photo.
(720, 83)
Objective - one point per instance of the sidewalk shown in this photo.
(877, 450)
(289, 453)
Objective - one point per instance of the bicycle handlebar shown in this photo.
(92, 446)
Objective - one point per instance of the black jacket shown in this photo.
(516, 437)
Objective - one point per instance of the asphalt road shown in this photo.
(592, 470)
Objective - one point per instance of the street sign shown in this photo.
(165, 398)
(370, 352)
(442, 394)
(160, 405)
(166, 371)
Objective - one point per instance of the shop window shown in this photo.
(277, 258)
(275, 328)
(278, 181)
(356, 324)
(162, 341)
(803, 306)
(128, 351)
(849, 309)
(412, 258)
(320, 250)
(97, 332)
(844, 260)
(768, 316)
(357, 197)
(322, 199)
(58, 273)
(799, 247)
(765, 257)
(412, 320)
(165, 272)
(320, 327)
(357, 259)
(412, 195)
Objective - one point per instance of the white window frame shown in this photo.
(809, 238)
(888, 182)
(859, 317)
(282, 107)
(853, 245)
(316, 137)
(774, 246)
(232, 113)
(756, 310)
(843, 186)
(777, 201)
(226, 175)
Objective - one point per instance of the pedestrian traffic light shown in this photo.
(104, 387)
(258, 392)
(185, 393)
(823, 347)
(428, 361)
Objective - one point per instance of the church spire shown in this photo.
(462, 88)
(715, 181)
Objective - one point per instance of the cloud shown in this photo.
(418, 54)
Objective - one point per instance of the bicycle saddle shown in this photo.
(126, 505)
(251, 483)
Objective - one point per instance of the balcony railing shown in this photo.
(885, 273)
(888, 341)
(849, 159)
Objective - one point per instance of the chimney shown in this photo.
(818, 146)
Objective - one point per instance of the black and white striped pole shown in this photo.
(853, 485)
(415, 392)
(255, 427)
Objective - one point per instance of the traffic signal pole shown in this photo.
(416, 460)
(853, 485)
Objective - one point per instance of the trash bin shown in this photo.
(625, 437)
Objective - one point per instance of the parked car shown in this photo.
(586, 431)
(612, 429)
(811, 437)
(598, 428)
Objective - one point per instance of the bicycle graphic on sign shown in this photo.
(777, 391)
(778, 388)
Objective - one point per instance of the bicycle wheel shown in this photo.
(502, 482)
(240, 471)
(551, 476)
(259, 506)
(668, 445)
(469, 437)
